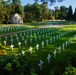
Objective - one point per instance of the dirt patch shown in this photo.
(2, 53)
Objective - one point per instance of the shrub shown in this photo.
(15, 65)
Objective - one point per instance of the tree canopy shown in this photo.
(34, 12)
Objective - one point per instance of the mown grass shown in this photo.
(59, 63)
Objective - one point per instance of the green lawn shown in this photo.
(55, 65)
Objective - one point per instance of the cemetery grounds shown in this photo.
(53, 36)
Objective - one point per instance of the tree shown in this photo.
(63, 12)
(69, 14)
(17, 7)
(16, 2)
(32, 12)
(5, 10)
(37, 11)
(74, 15)
(56, 14)
(50, 16)
(15, 65)
(45, 11)
(28, 13)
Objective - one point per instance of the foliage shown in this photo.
(33, 12)
(63, 12)
(17, 8)
(36, 12)
(70, 14)
(15, 65)
(69, 70)
(74, 15)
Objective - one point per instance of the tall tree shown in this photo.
(17, 7)
(45, 11)
(63, 12)
(70, 14)
(28, 13)
(5, 11)
(16, 1)
(37, 11)
(50, 16)
(74, 15)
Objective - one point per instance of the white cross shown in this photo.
(25, 42)
(48, 58)
(23, 52)
(31, 34)
(59, 49)
(35, 38)
(20, 34)
(12, 47)
(54, 38)
(11, 40)
(54, 53)
(42, 36)
(19, 43)
(30, 50)
(63, 46)
(22, 37)
(42, 44)
(24, 33)
(39, 37)
(40, 64)
(17, 38)
(31, 40)
(34, 34)
(49, 33)
(4, 42)
(57, 37)
(47, 41)
(6, 37)
(27, 36)
(46, 35)
(66, 43)
(50, 40)
(37, 46)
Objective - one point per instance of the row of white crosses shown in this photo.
(30, 40)
(49, 56)
(41, 62)
(36, 33)
(37, 46)
(27, 38)
(10, 28)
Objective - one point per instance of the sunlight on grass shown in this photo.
(42, 53)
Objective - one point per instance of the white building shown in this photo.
(16, 19)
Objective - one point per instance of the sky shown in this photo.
(66, 3)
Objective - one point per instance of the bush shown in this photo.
(69, 70)
(15, 65)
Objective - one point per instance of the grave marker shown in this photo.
(40, 64)
(12, 46)
(54, 53)
(4, 42)
(37, 46)
(48, 58)
(30, 50)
